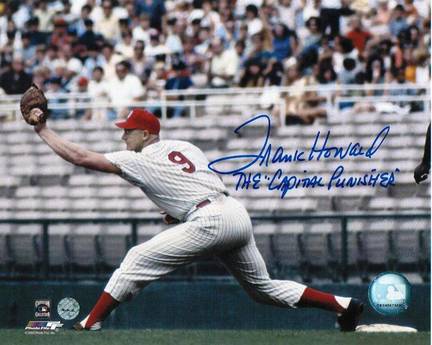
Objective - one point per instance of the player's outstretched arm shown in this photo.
(73, 153)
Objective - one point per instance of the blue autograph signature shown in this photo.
(319, 151)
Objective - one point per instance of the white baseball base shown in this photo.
(385, 328)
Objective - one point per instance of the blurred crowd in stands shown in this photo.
(131, 50)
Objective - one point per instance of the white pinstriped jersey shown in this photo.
(173, 174)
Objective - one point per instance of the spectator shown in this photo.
(89, 37)
(173, 40)
(240, 48)
(343, 48)
(36, 36)
(58, 70)
(125, 47)
(19, 13)
(40, 75)
(191, 57)
(123, 27)
(397, 55)
(72, 74)
(37, 60)
(311, 8)
(80, 25)
(81, 87)
(124, 89)
(60, 36)
(287, 13)
(273, 73)
(412, 14)
(327, 75)
(412, 37)
(156, 47)
(67, 14)
(301, 107)
(139, 64)
(7, 50)
(226, 30)
(284, 42)
(45, 14)
(193, 31)
(223, 65)
(330, 16)
(109, 61)
(180, 81)
(53, 89)
(254, 24)
(375, 70)
(398, 22)
(132, 16)
(258, 49)
(108, 25)
(141, 32)
(15, 81)
(210, 18)
(155, 10)
(97, 86)
(349, 71)
(358, 35)
(98, 91)
(204, 39)
(422, 59)
(410, 68)
(27, 51)
(400, 80)
(10, 36)
(311, 39)
(157, 80)
(93, 59)
(51, 54)
(252, 75)
(380, 22)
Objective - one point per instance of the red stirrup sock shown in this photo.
(318, 299)
(104, 306)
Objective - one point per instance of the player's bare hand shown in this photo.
(39, 127)
(168, 220)
(421, 172)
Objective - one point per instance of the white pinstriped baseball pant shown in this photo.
(223, 228)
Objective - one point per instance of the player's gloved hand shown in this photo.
(34, 106)
(421, 172)
(167, 219)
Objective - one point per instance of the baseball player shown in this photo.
(175, 176)
(421, 172)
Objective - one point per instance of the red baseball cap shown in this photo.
(140, 119)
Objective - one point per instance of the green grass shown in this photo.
(212, 337)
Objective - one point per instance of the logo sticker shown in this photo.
(390, 293)
(68, 308)
(42, 308)
(39, 327)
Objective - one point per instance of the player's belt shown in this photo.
(205, 202)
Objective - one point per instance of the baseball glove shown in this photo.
(34, 106)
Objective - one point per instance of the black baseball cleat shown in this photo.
(78, 327)
(349, 320)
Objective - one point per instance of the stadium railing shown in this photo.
(235, 98)
(339, 260)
